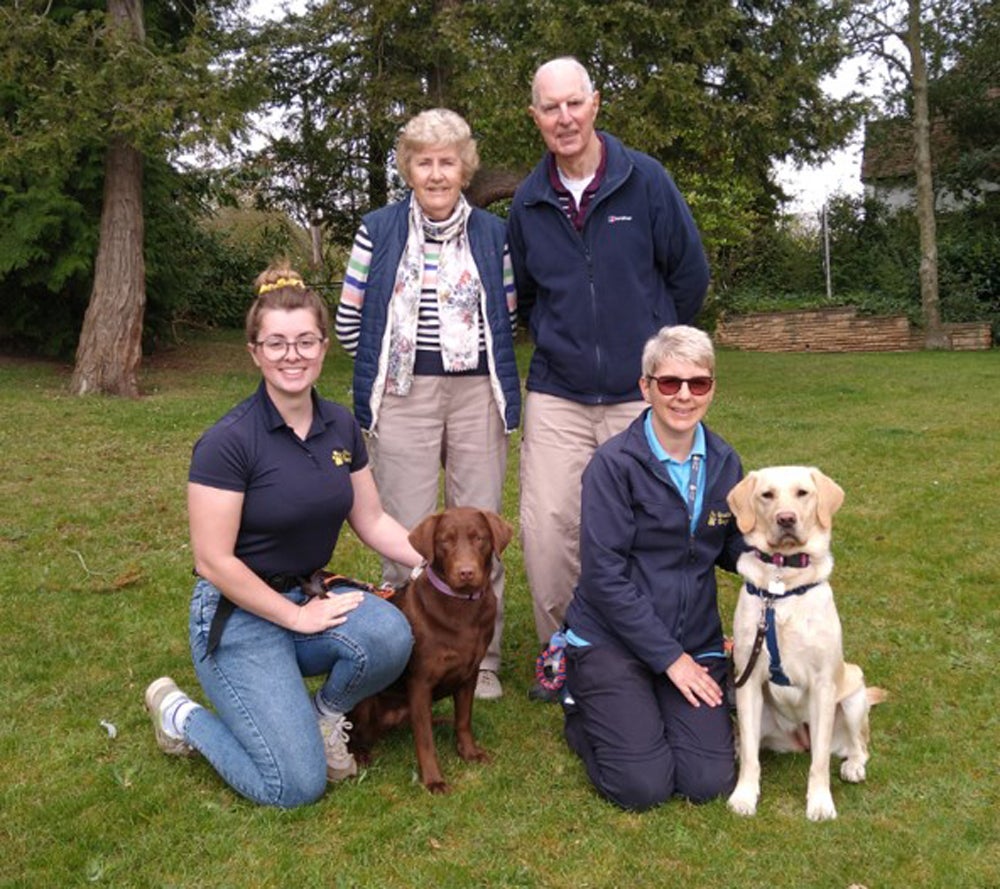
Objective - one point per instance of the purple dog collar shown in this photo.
(442, 587)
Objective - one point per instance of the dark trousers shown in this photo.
(640, 740)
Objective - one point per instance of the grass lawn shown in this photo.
(95, 570)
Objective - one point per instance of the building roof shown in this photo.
(889, 153)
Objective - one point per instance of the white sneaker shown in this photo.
(156, 695)
(340, 763)
(488, 687)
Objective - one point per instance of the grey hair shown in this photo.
(680, 343)
(585, 81)
(437, 128)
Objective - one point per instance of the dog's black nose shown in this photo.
(786, 519)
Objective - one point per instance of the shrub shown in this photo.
(875, 264)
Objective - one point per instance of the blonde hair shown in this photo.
(281, 287)
(437, 128)
(680, 343)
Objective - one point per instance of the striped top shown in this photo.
(347, 324)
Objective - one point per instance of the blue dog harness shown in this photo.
(766, 631)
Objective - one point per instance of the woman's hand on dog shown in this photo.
(693, 681)
(322, 613)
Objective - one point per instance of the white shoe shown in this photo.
(156, 695)
(340, 763)
(488, 687)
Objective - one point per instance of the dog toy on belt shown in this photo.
(550, 667)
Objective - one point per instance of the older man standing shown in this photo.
(605, 253)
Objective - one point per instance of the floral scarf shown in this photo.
(459, 295)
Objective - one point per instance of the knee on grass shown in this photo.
(709, 781)
(639, 790)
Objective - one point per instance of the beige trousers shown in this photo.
(558, 440)
(449, 423)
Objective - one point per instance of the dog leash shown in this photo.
(758, 644)
(319, 583)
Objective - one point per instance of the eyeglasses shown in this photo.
(276, 347)
(672, 385)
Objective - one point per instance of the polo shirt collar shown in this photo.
(594, 183)
(323, 413)
(698, 447)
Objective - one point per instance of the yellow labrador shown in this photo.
(794, 691)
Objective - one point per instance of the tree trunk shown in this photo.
(110, 347)
(316, 238)
(378, 178)
(934, 334)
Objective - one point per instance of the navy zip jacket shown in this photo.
(646, 584)
(591, 299)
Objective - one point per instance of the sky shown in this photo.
(810, 187)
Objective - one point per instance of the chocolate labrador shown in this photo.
(451, 607)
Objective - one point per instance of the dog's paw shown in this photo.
(820, 807)
(474, 754)
(438, 786)
(743, 801)
(853, 771)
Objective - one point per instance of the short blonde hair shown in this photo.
(680, 343)
(437, 128)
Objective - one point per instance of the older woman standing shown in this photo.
(427, 312)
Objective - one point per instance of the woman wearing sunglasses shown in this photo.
(645, 666)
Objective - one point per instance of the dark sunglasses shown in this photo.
(672, 385)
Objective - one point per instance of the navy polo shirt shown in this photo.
(296, 494)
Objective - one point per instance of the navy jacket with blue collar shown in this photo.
(591, 299)
(646, 583)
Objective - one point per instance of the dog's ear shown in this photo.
(740, 500)
(829, 498)
(422, 537)
(501, 531)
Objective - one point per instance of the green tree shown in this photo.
(968, 98)
(341, 77)
(918, 41)
(715, 90)
(83, 80)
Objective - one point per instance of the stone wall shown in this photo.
(837, 330)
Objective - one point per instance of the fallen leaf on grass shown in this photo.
(127, 579)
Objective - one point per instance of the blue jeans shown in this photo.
(263, 738)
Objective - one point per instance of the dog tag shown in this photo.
(776, 587)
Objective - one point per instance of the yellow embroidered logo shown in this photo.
(340, 457)
(719, 518)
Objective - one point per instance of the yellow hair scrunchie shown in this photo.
(297, 283)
